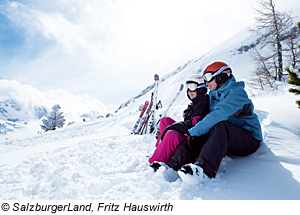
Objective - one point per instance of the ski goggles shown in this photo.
(193, 86)
(209, 76)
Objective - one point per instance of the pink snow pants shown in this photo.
(166, 149)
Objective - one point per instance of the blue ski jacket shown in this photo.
(229, 103)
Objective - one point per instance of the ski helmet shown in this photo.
(196, 83)
(219, 70)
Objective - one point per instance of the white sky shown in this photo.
(112, 49)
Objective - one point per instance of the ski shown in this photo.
(152, 123)
(140, 117)
(168, 108)
(144, 121)
(145, 125)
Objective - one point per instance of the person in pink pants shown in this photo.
(165, 151)
(173, 133)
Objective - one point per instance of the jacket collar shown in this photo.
(228, 84)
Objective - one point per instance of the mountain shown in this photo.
(235, 51)
(21, 105)
(100, 159)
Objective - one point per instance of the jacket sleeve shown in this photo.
(231, 105)
(187, 112)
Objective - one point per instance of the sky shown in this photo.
(111, 49)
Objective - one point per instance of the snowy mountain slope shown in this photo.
(235, 51)
(22, 107)
(101, 160)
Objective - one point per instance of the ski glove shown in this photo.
(190, 141)
(181, 127)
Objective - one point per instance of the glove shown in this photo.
(181, 127)
(190, 141)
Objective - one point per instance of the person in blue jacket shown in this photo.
(231, 128)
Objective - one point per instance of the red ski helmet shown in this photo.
(219, 70)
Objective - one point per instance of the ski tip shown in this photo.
(181, 87)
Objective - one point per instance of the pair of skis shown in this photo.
(155, 107)
(140, 117)
(142, 122)
(149, 109)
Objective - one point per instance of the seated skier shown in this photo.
(231, 128)
(171, 132)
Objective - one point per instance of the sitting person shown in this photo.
(231, 128)
(171, 132)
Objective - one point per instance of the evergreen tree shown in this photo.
(54, 120)
(294, 75)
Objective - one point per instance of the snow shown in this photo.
(100, 159)
(23, 106)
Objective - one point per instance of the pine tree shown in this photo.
(54, 120)
(294, 75)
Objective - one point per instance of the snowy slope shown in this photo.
(236, 52)
(100, 159)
